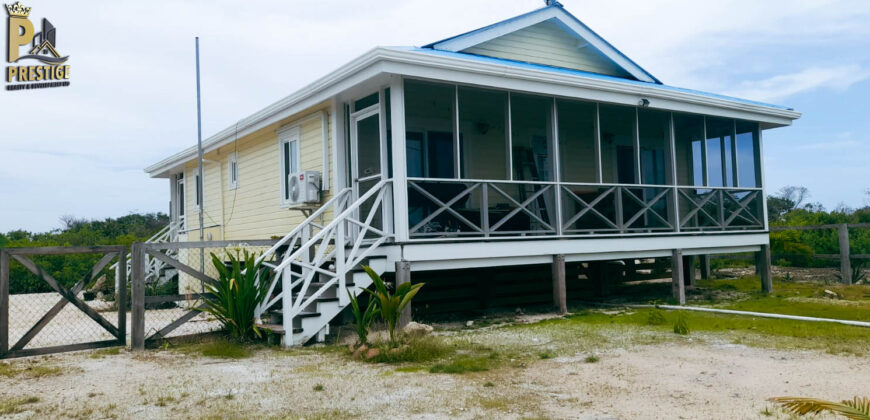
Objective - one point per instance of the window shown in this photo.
(689, 139)
(578, 154)
(289, 143)
(430, 121)
(618, 160)
(198, 184)
(654, 129)
(179, 198)
(747, 161)
(719, 163)
(483, 134)
(233, 171)
(530, 137)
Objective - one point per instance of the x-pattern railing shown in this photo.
(329, 254)
(154, 266)
(619, 199)
(719, 209)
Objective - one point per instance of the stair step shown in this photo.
(277, 329)
(300, 315)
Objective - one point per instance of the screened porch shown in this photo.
(493, 163)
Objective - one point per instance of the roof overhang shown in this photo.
(462, 69)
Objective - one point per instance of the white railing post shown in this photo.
(287, 304)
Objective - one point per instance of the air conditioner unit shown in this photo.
(304, 187)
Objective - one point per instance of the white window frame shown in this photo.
(233, 171)
(293, 136)
(180, 200)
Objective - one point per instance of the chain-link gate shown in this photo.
(46, 311)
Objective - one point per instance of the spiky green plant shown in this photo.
(236, 294)
(855, 409)
(363, 319)
(391, 304)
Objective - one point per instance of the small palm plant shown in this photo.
(391, 304)
(236, 294)
(363, 319)
(855, 409)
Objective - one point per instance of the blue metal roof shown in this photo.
(584, 74)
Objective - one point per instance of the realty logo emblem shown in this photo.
(40, 46)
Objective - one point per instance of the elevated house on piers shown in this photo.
(529, 141)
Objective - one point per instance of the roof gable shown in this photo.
(549, 36)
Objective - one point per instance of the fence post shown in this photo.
(4, 301)
(845, 263)
(560, 297)
(137, 297)
(121, 295)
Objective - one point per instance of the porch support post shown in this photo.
(560, 295)
(705, 267)
(763, 266)
(403, 275)
(689, 270)
(400, 172)
(678, 287)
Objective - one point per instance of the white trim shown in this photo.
(568, 21)
(291, 135)
(484, 74)
(400, 163)
(232, 159)
(324, 147)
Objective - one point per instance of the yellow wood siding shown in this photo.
(549, 44)
(254, 209)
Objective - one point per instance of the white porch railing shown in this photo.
(448, 208)
(327, 253)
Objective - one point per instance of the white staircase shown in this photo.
(155, 270)
(322, 264)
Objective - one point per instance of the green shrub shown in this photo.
(391, 304)
(236, 295)
(681, 326)
(363, 319)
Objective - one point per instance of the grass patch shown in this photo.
(463, 364)
(99, 354)
(318, 387)
(591, 359)
(422, 350)
(218, 349)
(15, 405)
(28, 371)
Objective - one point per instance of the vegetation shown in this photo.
(15, 405)
(217, 349)
(855, 409)
(391, 304)
(363, 318)
(237, 294)
(69, 269)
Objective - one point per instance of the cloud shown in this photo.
(838, 78)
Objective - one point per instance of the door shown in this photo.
(367, 157)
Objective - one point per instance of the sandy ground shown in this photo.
(72, 326)
(696, 378)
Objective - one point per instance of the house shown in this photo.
(529, 141)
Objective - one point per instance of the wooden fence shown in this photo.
(845, 256)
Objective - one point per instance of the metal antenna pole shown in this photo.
(199, 184)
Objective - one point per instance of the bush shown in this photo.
(236, 295)
(391, 304)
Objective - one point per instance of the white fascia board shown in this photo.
(474, 72)
(590, 247)
(469, 40)
(319, 91)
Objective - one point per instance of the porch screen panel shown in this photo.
(618, 157)
(483, 134)
(654, 129)
(577, 140)
(689, 139)
(531, 135)
(747, 155)
(430, 112)
(718, 162)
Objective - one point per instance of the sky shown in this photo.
(80, 150)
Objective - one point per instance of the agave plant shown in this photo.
(391, 304)
(363, 319)
(855, 409)
(236, 295)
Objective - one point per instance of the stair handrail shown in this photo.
(333, 233)
(304, 224)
